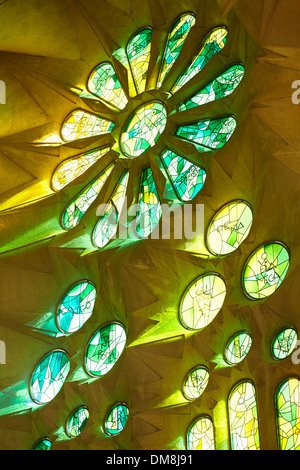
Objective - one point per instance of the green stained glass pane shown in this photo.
(208, 135)
(223, 85)
(177, 35)
(76, 307)
(243, 422)
(229, 227)
(202, 301)
(77, 421)
(49, 376)
(212, 44)
(106, 229)
(143, 129)
(187, 178)
(138, 53)
(195, 383)
(116, 419)
(200, 435)
(288, 414)
(284, 343)
(42, 444)
(265, 270)
(80, 124)
(104, 349)
(104, 83)
(238, 347)
(80, 204)
(73, 167)
(149, 208)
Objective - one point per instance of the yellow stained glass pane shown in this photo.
(288, 414)
(200, 435)
(80, 124)
(138, 53)
(104, 83)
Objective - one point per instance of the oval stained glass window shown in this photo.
(284, 343)
(49, 376)
(116, 419)
(200, 435)
(77, 421)
(229, 228)
(265, 270)
(143, 129)
(104, 349)
(195, 383)
(76, 307)
(238, 347)
(42, 444)
(202, 301)
(288, 414)
(104, 83)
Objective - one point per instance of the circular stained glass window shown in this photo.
(238, 347)
(229, 228)
(143, 129)
(104, 349)
(284, 343)
(116, 419)
(49, 376)
(42, 444)
(77, 421)
(195, 383)
(265, 270)
(202, 301)
(76, 307)
(200, 435)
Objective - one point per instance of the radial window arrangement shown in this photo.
(76, 307)
(49, 376)
(77, 421)
(200, 435)
(229, 228)
(284, 343)
(238, 347)
(288, 414)
(195, 383)
(243, 421)
(116, 419)
(265, 270)
(202, 301)
(147, 128)
(104, 349)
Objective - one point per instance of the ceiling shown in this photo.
(47, 53)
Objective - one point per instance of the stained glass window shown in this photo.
(149, 208)
(116, 419)
(42, 444)
(221, 86)
(284, 343)
(81, 124)
(200, 435)
(105, 230)
(104, 83)
(288, 414)
(187, 178)
(208, 135)
(80, 204)
(138, 53)
(202, 301)
(104, 349)
(143, 129)
(176, 37)
(244, 432)
(77, 421)
(229, 228)
(213, 43)
(195, 383)
(76, 307)
(49, 376)
(265, 270)
(238, 347)
(73, 167)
